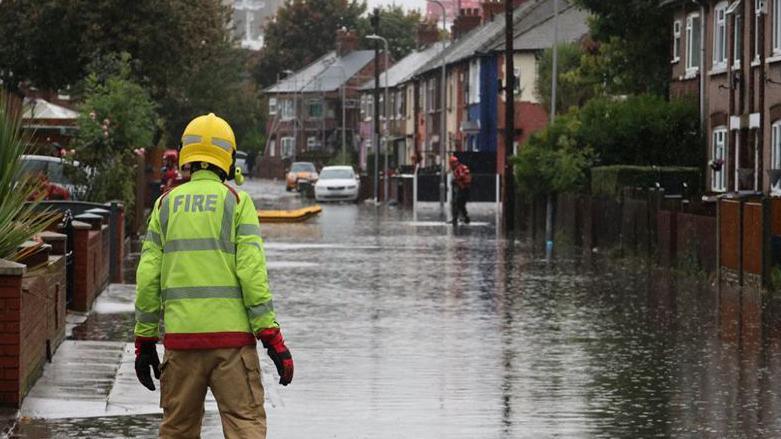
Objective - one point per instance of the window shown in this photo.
(775, 152)
(474, 82)
(738, 40)
(677, 41)
(315, 109)
(692, 43)
(777, 26)
(272, 148)
(272, 106)
(312, 142)
(757, 21)
(287, 144)
(718, 163)
(430, 96)
(720, 35)
(517, 90)
(287, 109)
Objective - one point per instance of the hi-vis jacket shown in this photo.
(203, 269)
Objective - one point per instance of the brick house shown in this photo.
(305, 108)
(405, 103)
(728, 55)
(475, 71)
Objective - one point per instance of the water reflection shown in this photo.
(428, 332)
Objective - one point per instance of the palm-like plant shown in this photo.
(20, 218)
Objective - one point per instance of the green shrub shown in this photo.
(552, 161)
(611, 180)
(19, 219)
(642, 130)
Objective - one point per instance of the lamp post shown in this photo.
(344, 127)
(442, 128)
(387, 113)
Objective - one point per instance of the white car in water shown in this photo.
(337, 183)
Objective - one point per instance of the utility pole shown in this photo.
(443, 116)
(508, 208)
(375, 22)
(554, 96)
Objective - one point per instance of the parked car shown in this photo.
(337, 183)
(52, 170)
(300, 172)
(241, 162)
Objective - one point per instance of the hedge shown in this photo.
(611, 180)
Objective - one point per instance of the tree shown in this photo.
(642, 130)
(182, 53)
(573, 88)
(633, 45)
(302, 32)
(398, 26)
(553, 161)
(117, 117)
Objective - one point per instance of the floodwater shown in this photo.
(404, 329)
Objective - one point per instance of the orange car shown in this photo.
(300, 172)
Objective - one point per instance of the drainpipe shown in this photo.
(761, 105)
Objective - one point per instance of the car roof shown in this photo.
(338, 167)
(302, 163)
(46, 158)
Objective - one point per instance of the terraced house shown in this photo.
(474, 102)
(728, 55)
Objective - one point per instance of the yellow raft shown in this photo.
(288, 216)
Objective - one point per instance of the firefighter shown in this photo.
(462, 182)
(203, 270)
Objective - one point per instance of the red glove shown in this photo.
(275, 347)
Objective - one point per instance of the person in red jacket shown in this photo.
(462, 182)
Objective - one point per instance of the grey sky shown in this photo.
(408, 4)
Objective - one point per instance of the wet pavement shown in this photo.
(411, 329)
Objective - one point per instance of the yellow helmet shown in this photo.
(209, 139)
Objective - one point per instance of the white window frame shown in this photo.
(737, 40)
(272, 148)
(287, 109)
(272, 106)
(474, 82)
(693, 47)
(776, 27)
(720, 35)
(676, 41)
(286, 145)
(775, 151)
(719, 140)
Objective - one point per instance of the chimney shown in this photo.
(346, 41)
(467, 20)
(428, 34)
(492, 8)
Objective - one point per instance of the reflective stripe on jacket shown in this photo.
(203, 269)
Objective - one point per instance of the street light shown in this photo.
(387, 113)
(344, 128)
(443, 129)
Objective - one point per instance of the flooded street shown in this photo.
(404, 329)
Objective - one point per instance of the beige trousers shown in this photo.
(233, 375)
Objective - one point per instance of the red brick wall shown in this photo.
(90, 276)
(32, 324)
(10, 303)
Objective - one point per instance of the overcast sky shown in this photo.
(409, 4)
